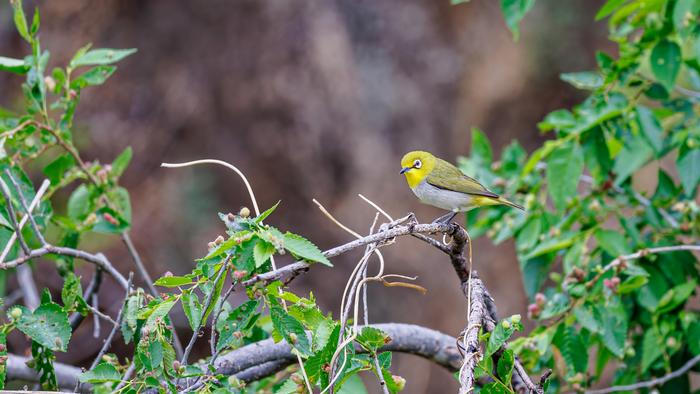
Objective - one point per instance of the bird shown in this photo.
(438, 183)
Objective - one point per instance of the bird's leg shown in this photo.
(446, 218)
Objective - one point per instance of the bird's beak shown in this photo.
(403, 170)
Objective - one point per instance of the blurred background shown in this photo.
(311, 99)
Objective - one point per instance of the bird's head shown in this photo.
(416, 166)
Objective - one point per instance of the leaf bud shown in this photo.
(505, 324)
(219, 240)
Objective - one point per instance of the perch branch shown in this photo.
(650, 383)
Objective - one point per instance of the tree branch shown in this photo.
(650, 383)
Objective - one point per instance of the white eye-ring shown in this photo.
(417, 164)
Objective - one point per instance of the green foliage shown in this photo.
(588, 208)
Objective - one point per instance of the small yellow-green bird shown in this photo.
(438, 183)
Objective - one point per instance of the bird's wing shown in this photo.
(451, 178)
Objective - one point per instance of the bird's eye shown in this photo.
(417, 164)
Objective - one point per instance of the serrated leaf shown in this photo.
(501, 333)
(291, 330)
(372, 338)
(192, 308)
(48, 326)
(158, 312)
(652, 348)
(303, 248)
(262, 252)
(233, 328)
(614, 322)
(102, 373)
(267, 213)
(505, 366)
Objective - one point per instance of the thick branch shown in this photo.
(477, 316)
(266, 357)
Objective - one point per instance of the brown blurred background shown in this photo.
(311, 99)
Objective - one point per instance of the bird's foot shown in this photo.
(445, 219)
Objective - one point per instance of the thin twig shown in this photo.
(110, 337)
(639, 254)
(35, 201)
(146, 277)
(11, 213)
(92, 288)
(27, 208)
(98, 259)
(650, 383)
(205, 306)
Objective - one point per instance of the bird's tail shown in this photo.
(510, 204)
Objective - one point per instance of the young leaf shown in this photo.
(501, 333)
(21, 20)
(192, 308)
(586, 80)
(97, 57)
(262, 252)
(513, 12)
(121, 162)
(481, 152)
(505, 366)
(372, 338)
(93, 77)
(301, 247)
(267, 213)
(56, 170)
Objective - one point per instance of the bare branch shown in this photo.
(269, 357)
(98, 259)
(66, 375)
(650, 383)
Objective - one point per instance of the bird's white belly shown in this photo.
(441, 198)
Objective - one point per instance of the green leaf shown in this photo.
(158, 312)
(573, 348)
(192, 308)
(79, 203)
(3, 359)
(72, 295)
(560, 119)
(102, 373)
(56, 170)
(586, 80)
(291, 330)
(481, 152)
(666, 62)
(94, 77)
(513, 12)
(614, 328)
(685, 15)
(110, 221)
(21, 21)
(597, 155)
(121, 162)
(267, 213)
(505, 366)
(676, 296)
(130, 312)
(372, 338)
(501, 333)
(635, 153)
(612, 242)
(652, 348)
(552, 245)
(302, 248)
(608, 8)
(631, 284)
(495, 388)
(651, 129)
(238, 321)
(173, 281)
(564, 169)
(48, 326)
(43, 364)
(262, 252)
(353, 385)
(97, 57)
(17, 66)
(688, 162)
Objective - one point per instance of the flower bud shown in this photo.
(244, 212)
